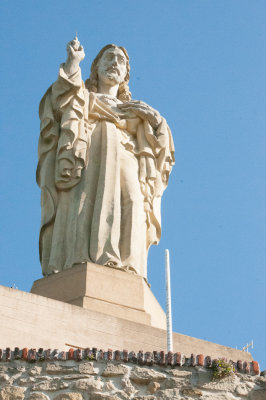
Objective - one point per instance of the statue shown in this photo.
(104, 162)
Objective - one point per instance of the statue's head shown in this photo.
(112, 63)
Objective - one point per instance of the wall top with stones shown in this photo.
(159, 358)
(91, 374)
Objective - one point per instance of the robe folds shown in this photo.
(102, 176)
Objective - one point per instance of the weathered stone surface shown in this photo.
(153, 387)
(87, 368)
(37, 396)
(261, 380)
(217, 396)
(179, 373)
(145, 397)
(35, 371)
(127, 386)
(123, 382)
(173, 383)
(242, 390)
(50, 385)
(115, 370)
(201, 377)
(69, 396)
(172, 394)
(4, 378)
(259, 394)
(146, 375)
(191, 392)
(103, 396)
(57, 368)
(109, 387)
(227, 384)
(90, 384)
(26, 381)
(12, 393)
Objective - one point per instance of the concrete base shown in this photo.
(106, 290)
(29, 320)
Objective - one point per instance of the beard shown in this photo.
(113, 76)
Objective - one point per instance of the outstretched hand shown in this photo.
(75, 54)
(142, 110)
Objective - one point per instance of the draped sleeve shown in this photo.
(62, 148)
(156, 159)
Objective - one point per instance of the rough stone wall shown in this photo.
(114, 376)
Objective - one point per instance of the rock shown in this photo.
(191, 392)
(109, 386)
(261, 380)
(227, 384)
(115, 370)
(145, 398)
(201, 377)
(179, 373)
(75, 376)
(57, 368)
(35, 371)
(259, 394)
(26, 381)
(242, 390)
(127, 386)
(173, 383)
(103, 396)
(4, 378)
(87, 368)
(69, 396)
(172, 394)
(12, 393)
(146, 375)
(263, 373)
(37, 396)
(153, 387)
(90, 384)
(50, 385)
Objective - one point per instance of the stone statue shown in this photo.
(104, 162)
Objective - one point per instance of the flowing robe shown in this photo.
(102, 177)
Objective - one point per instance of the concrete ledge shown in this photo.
(29, 320)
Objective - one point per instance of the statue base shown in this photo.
(104, 289)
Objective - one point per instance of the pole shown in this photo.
(168, 302)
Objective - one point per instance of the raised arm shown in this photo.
(75, 54)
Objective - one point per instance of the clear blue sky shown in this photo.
(201, 63)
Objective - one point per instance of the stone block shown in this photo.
(145, 375)
(69, 396)
(12, 393)
(37, 396)
(120, 294)
(115, 370)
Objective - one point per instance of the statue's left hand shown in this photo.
(142, 110)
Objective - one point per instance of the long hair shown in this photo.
(91, 84)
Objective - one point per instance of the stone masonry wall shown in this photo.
(85, 374)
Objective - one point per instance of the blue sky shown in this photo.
(201, 63)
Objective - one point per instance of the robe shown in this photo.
(102, 176)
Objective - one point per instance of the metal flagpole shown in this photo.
(168, 302)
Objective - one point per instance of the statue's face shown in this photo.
(112, 66)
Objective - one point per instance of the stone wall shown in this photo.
(85, 374)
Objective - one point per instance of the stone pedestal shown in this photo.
(106, 290)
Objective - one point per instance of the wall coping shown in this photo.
(158, 358)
